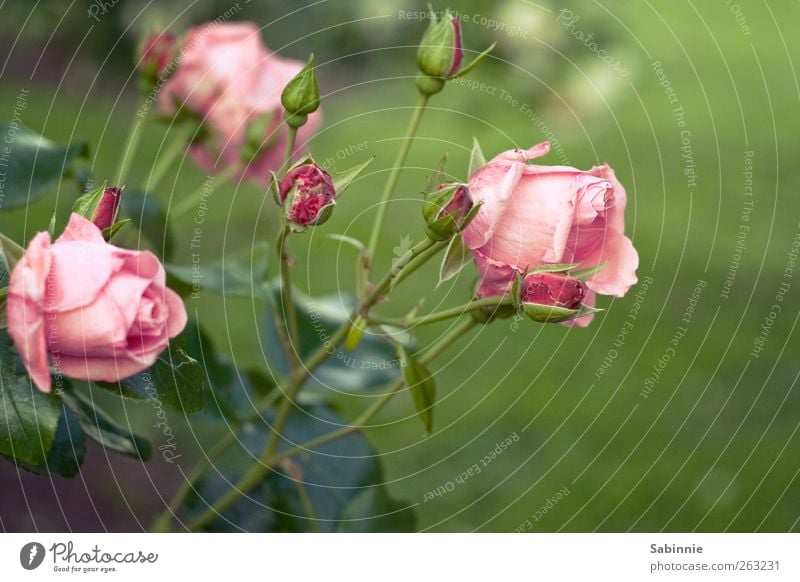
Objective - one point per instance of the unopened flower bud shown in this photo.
(301, 95)
(440, 52)
(551, 297)
(446, 210)
(154, 56)
(105, 215)
(100, 206)
(307, 195)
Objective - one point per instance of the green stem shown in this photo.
(167, 159)
(287, 153)
(191, 201)
(259, 470)
(163, 521)
(391, 181)
(286, 317)
(297, 480)
(431, 354)
(444, 314)
(130, 147)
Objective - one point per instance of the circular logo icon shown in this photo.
(31, 555)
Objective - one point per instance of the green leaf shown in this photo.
(553, 314)
(353, 242)
(100, 427)
(551, 268)
(67, 452)
(438, 177)
(371, 365)
(86, 204)
(10, 252)
(231, 392)
(333, 476)
(374, 510)
(176, 380)
(28, 417)
(108, 233)
(589, 272)
(241, 275)
(473, 63)
(355, 333)
(476, 158)
(343, 180)
(421, 385)
(34, 164)
(146, 213)
(456, 257)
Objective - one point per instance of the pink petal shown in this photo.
(80, 271)
(97, 328)
(81, 229)
(26, 328)
(621, 260)
(29, 277)
(177, 318)
(104, 369)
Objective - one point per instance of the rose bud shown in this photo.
(440, 51)
(301, 95)
(307, 195)
(105, 215)
(231, 83)
(154, 56)
(100, 206)
(550, 297)
(538, 215)
(96, 311)
(446, 210)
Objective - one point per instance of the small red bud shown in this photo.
(307, 195)
(106, 212)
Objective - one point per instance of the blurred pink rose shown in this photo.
(228, 78)
(96, 311)
(532, 215)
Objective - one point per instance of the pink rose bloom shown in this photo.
(228, 78)
(533, 215)
(96, 311)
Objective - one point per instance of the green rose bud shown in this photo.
(301, 96)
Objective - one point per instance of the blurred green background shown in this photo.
(711, 444)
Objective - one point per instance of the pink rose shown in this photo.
(534, 215)
(227, 77)
(96, 311)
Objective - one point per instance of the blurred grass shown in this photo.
(711, 447)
